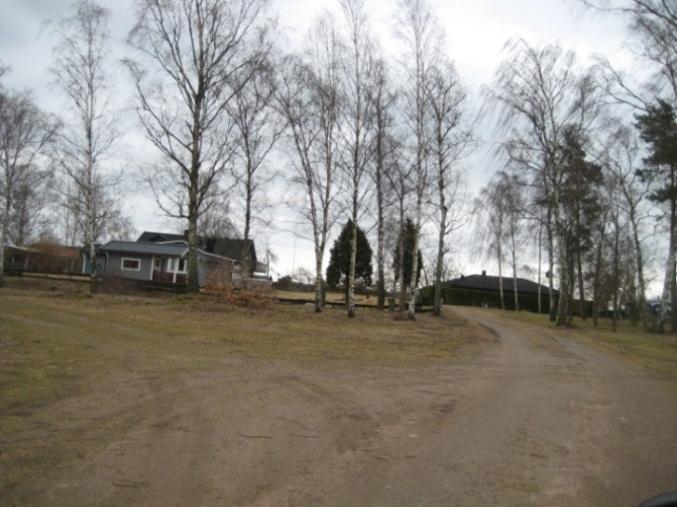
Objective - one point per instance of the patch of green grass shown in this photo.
(519, 486)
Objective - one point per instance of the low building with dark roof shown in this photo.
(484, 290)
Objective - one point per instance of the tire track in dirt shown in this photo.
(534, 419)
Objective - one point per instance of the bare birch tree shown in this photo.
(600, 240)
(422, 39)
(513, 197)
(494, 224)
(383, 109)
(194, 56)
(357, 82)
(81, 68)
(653, 24)
(257, 129)
(399, 175)
(308, 97)
(449, 141)
(25, 135)
(542, 92)
(624, 159)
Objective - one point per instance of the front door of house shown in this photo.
(160, 269)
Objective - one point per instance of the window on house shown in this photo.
(131, 264)
(158, 263)
(182, 265)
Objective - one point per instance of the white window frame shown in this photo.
(136, 259)
(174, 263)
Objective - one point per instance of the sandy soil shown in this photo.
(534, 420)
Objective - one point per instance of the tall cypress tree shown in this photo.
(580, 198)
(339, 261)
(409, 240)
(658, 128)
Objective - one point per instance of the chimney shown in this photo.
(484, 273)
(211, 243)
(185, 234)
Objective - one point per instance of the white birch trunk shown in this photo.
(540, 266)
(3, 235)
(500, 276)
(440, 257)
(514, 269)
(413, 286)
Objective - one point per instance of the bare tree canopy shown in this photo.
(308, 97)
(194, 56)
(82, 69)
(542, 93)
(653, 23)
(449, 141)
(383, 112)
(25, 135)
(357, 85)
(257, 128)
(422, 39)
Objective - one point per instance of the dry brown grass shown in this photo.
(336, 297)
(57, 343)
(50, 339)
(656, 352)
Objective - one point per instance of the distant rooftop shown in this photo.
(235, 249)
(149, 248)
(159, 237)
(488, 282)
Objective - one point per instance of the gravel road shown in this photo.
(535, 419)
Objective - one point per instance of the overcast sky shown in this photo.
(476, 30)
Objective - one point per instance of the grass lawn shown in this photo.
(338, 297)
(49, 339)
(657, 352)
(56, 342)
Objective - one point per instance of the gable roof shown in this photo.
(159, 237)
(222, 247)
(19, 248)
(145, 248)
(231, 248)
(487, 282)
(174, 248)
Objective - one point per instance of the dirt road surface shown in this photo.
(534, 420)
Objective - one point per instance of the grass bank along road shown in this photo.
(140, 402)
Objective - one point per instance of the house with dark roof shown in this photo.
(484, 290)
(159, 262)
(162, 258)
(241, 251)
